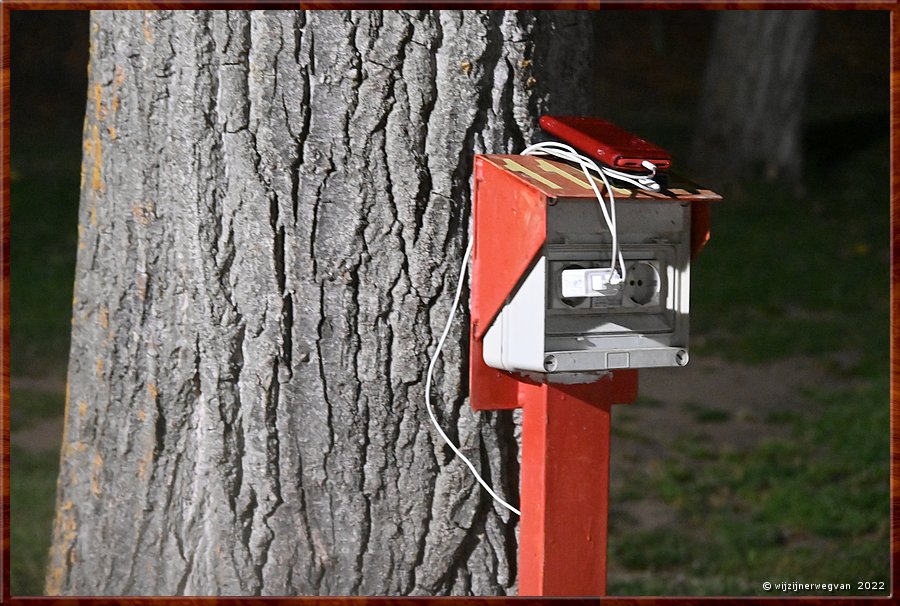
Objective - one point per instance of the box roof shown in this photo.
(557, 179)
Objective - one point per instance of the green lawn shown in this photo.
(43, 239)
(44, 202)
(32, 499)
(782, 277)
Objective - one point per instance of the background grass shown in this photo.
(32, 498)
(44, 203)
(48, 52)
(42, 250)
(783, 277)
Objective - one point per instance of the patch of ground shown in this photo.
(44, 436)
(53, 383)
(709, 407)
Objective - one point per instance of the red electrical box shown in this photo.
(528, 208)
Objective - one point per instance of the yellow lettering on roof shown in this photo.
(576, 178)
(553, 168)
(518, 168)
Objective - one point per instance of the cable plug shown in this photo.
(594, 282)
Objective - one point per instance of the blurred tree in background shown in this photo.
(753, 102)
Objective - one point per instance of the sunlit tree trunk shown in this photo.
(273, 211)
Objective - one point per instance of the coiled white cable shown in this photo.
(645, 182)
(428, 375)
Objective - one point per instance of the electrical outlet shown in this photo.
(643, 283)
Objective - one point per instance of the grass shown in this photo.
(43, 240)
(706, 414)
(32, 498)
(782, 277)
(812, 509)
(31, 406)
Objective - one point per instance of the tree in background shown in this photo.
(753, 101)
(273, 210)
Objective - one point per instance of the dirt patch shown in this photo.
(754, 389)
(710, 407)
(44, 436)
(54, 383)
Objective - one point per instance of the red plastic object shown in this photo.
(606, 142)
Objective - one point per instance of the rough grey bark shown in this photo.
(274, 207)
(753, 99)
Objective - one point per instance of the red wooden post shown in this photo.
(565, 435)
(565, 487)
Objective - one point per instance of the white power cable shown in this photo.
(645, 182)
(434, 357)
(566, 152)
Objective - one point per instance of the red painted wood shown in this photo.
(510, 228)
(509, 231)
(489, 388)
(700, 227)
(565, 486)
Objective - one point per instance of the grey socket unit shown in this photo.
(574, 340)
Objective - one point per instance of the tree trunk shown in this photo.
(274, 207)
(754, 92)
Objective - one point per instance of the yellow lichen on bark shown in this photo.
(148, 33)
(145, 463)
(99, 111)
(65, 436)
(95, 471)
(143, 212)
(97, 153)
(93, 149)
(141, 282)
(76, 446)
(65, 529)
